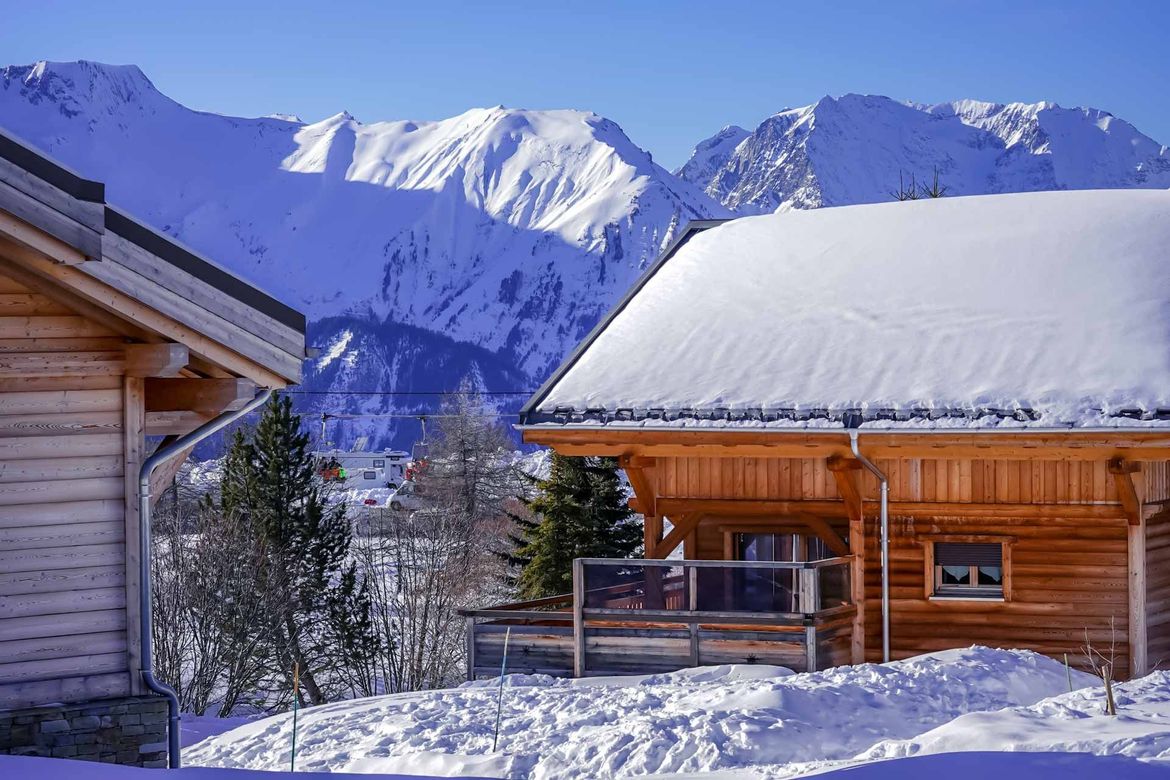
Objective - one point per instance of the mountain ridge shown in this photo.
(484, 246)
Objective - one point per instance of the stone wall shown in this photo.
(117, 731)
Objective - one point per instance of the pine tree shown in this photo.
(319, 609)
(583, 514)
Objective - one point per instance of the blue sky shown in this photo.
(669, 73)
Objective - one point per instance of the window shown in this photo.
(369, 475)
(379, 464)
(968, 570)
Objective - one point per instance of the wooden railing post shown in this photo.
(578, 618)
(809, 590)
(693, 606)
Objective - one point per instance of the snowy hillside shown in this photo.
(849, 150)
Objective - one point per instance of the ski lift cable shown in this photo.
(408, 416)
(409, 392)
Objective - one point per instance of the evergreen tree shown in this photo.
(583, 514)
(319, 609)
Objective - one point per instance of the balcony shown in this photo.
(652, 616)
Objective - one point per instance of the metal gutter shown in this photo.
(160, 456)
(692, 227)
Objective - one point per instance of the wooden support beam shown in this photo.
(174, 423)
(682, 527)
(641, 473)
(155, 360)
(210, 396)
(825, 532)
(1127, 494)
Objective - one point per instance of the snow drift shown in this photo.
(707, 719)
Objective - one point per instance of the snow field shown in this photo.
(701, 720)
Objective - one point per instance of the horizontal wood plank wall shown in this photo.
(1158, 590)
(1069, 572)
(1069, 580)
(960, 481)
(62, 535)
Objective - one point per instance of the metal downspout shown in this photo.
(885, 540)
(160, 456)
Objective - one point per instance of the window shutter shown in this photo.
(968, 554)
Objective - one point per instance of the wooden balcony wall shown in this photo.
(1085, 562)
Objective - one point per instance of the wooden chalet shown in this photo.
(114, 340)
(997, 367)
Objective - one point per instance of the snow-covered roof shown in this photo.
(1038, 309)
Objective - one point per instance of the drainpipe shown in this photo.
(160, 456)
(885, 539)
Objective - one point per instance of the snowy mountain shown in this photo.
(852, 149)
(485, 245)
(504, 233)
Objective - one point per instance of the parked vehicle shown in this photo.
(407, 498)
(361, 469)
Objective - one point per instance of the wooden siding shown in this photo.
(63, 588)
(951, 481)
(1069, 561)
(1158, 590)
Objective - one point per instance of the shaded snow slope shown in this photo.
(1069, 722)
(1056, 304)
(713, 718)
(848, 150)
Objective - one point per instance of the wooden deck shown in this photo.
(662, 616)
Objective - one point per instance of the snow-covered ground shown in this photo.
(958, 714)
(741, 721)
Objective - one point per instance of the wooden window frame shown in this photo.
(929, 583)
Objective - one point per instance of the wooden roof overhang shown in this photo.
(1134, 444)
(203, 339)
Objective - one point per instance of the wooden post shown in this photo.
(809, 596)
(846, 472)
(470, 640)
(693, 606)
(578, 618)
(133, 400)
(810, 648)
(1130, 495)
(1138, 634)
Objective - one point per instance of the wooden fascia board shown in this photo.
(137, 260)
(51, 218)
(218, 329)
(1133, 445)
(274, 369)
(32, 237)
